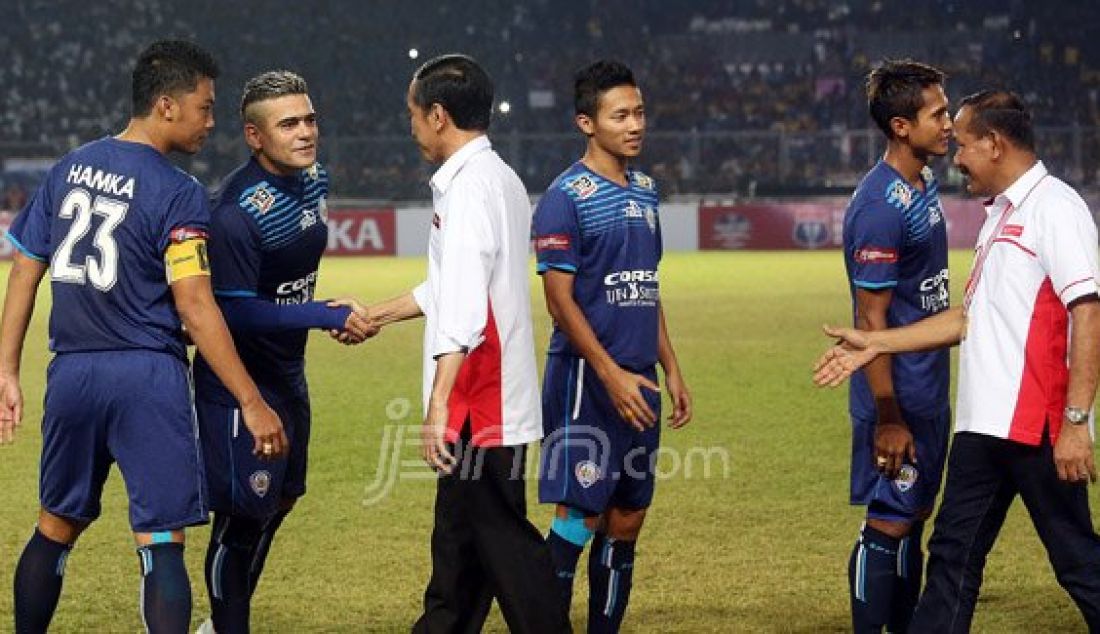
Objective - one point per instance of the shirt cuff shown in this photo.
(1077, 289)
(421, 296)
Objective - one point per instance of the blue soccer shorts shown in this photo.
(131, 407)
(914, 490)
(240, 483)
(592, 459)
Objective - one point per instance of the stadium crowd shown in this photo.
(742, 96)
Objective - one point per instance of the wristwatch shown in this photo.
(1076, 415)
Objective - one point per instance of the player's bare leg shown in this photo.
(611, 568)
(41, 570)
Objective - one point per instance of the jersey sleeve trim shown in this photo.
(234, 293)
(22, 249)
(875, 285)
(545, 266)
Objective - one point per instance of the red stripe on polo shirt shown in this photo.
(477, 391)
(1042, 393)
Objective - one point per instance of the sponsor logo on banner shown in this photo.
(732, 230)
(358, 231)
(876, 255)
(552, 242)
(1014, 231)
(811, 233)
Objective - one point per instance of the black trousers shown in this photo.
(983, 478)
(483, 547)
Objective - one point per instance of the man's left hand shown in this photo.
(433, 439)
(1073, 454)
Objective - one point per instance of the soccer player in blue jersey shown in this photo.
(895, 254)
(598, 239)
(267, 233)
(123, 234)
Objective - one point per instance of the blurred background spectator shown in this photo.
(745, 97)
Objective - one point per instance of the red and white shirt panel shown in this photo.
(1014, 358)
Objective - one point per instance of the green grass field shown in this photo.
(759, 545)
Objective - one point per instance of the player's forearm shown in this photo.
(1084, 355)
(23, 282)
(251, 314)
(571, 320)
(200, 315)
(879, 372)
(665, 352)
(394, 310)
(938, 331)
(447, 367)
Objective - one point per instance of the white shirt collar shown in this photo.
(1018, 191)
(450, 168)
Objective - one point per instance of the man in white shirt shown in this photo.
(481, 397)
(1027, 379)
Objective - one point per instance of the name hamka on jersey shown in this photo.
(114, 184)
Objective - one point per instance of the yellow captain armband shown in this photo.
(186, 258)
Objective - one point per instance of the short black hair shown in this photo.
(1004, 112)
(459, 84)
(895, 89)
(168, 67)
(595, 79)
(271, 85)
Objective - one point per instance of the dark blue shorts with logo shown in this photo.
(914, 490)
(591, 458)
(131, 407)
(240, 483)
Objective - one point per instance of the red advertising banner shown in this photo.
(358, 231)
(812, 224)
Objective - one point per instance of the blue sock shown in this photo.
(262, 548)
(872, 574)
(566, 541)
(610, 576)
(564, 555)
(910, 572)
(233, 541)
(38, 577)
(165, 589)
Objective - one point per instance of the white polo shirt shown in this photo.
(1014, 359)
(477, 297)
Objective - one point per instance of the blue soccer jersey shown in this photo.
(102, 219)
(895, 238)
(267, 235)
(609, 237)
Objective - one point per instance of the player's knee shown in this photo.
(624, 524)
(234, 531)
(575, 527)
(160, 537)
(894, 528)
(59, 529)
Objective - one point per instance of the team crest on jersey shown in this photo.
(313, 172)
(260, 481)
(926, 174)
(907, 477)
(643, 181)
(309, 218)
(587, 473)
(899, 195)
(583, 186)
(262, 199)
(935, 214)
